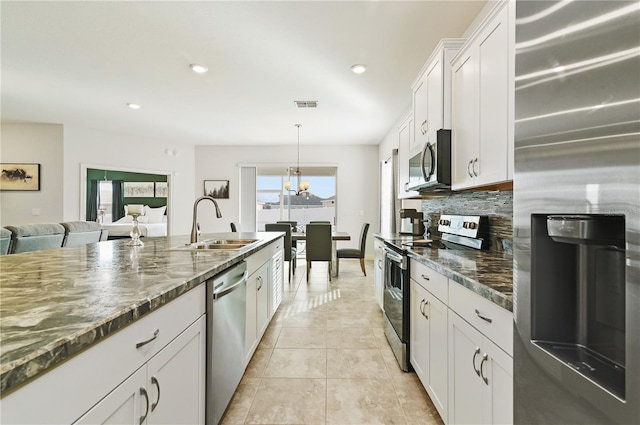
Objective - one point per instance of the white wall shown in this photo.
(34, 143)
(358, 170)
(113, 150)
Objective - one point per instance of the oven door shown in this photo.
(394, 298)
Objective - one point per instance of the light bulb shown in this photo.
(287, 185)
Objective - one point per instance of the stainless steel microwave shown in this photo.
(430, 167)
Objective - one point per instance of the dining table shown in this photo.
(335, 236)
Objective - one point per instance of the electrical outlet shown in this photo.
(361, 212)
(35, 212)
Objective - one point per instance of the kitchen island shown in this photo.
(59, 304)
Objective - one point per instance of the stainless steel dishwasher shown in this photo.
(226, 317)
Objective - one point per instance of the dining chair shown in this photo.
(320, 222)
(318, 244)
(353, 252)
(294, 225)
(289, 250)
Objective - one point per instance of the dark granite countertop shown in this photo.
(55, 303)
(487, 273)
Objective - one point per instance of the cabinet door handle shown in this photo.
(484, 359)
(146, 411)
(406, 187)
(259, 280)
(475, 353)
(380, 264)
(155, 382)
(425, 277)
(469, 168)
(155, 335)
(422, 307)
(475, 173)
(426, 303)
(485, 318)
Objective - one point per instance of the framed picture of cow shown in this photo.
(19, 176)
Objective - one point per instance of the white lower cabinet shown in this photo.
(460, 348)
(168, 389)
(428, 342)
(276, 285)
(481, 376)
(264, 293)
(257, 316)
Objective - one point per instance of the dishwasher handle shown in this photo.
(222, 292)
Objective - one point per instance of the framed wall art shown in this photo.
(20, 176)
(217, 188)
(162, 189)
(138, 189)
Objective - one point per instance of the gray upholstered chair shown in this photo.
(289, 250)
(34, 237)
(318, 244)
(5, 241)
(353, 252)
(320, 222)
(294, 225)
(81, 232)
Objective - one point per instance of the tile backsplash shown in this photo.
(497, 205)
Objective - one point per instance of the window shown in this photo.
(104, 201)
(275, 203)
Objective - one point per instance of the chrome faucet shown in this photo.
(195, 226)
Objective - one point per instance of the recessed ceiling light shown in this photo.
(134, 105)
(198, 69)
(358, 68)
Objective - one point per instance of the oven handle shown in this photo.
(396, 258)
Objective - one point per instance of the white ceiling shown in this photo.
(79, 63)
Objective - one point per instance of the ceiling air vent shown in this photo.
(306, 103)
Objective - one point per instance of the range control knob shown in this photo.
(444, 222)
(469, 225)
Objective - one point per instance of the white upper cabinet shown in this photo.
(432, 93)
(482, 110)
(405, 140)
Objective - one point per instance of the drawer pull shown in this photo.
(155, 382)
(155, 335)
(146, 412)
(474, 361)
(485, 318)
(425, 277)
(484, 359)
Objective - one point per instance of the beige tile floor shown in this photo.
(325, 360)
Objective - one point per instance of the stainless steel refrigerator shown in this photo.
(577, 213)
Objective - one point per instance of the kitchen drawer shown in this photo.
(497, 324)
(278, 245)
(430, 280)
(256, 260)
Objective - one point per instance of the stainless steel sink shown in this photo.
(217, 244)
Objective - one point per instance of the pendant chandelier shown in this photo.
(303, 186)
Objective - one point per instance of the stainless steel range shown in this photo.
(458, 232)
